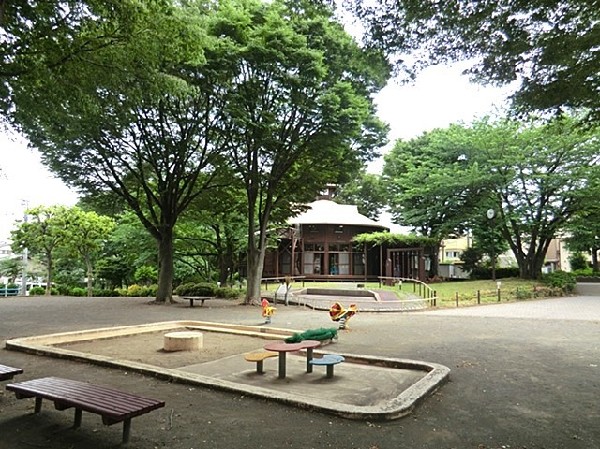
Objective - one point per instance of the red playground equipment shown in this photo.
(341, 315)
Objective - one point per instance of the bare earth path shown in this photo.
(523, 379)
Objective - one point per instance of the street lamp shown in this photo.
(24, 272)
(491, 214)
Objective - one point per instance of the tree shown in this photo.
(583, 230)
(42, 234)
(146, 126)
(87, 232)
(299, 109)
(366, 191)
(38, 36)
(535, 176)
(430, 184)
(550, 46)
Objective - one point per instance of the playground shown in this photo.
(522, 375)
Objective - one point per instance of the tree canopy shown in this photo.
(550, 46)
(534, 176)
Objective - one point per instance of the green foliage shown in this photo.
(36, 291)
(549, 46)
(366, 191)
(229, 293)
(196, 289)
(560, 279)
(390, 239)
(136, 290)
(145, 275)
(471, 258)
(77, 291)
(578, 262)
(99, 292)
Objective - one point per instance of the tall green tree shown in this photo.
(88, 232)
(42, 234)
(550, 46)
(299, 108)
(430, 184)
(136, 119)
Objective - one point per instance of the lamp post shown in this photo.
(24, 272)
(491, 214)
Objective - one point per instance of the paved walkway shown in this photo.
(527, 380)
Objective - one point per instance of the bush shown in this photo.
(37, 291)
(578, 262)
(105, 292)
(228, 293)
(141, 290)
(77, 291)
(199, 289)
(560, 279)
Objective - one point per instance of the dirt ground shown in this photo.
(148, 348)
(516, 382)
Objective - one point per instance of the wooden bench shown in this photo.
(7, 372)
(328, 360)
(197, 298)
(113, 405)
(259, 358)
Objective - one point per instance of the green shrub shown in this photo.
(141, 290)
(228, 293)
(199, 289)
(37, 291)
(105, 292)
(560, 279)
(77, 291)
(578, 262)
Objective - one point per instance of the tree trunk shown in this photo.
(90, 277)
(255, 267)
(164, 292)
(50, 263)
(595, 260)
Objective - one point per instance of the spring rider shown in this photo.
(267, 310)
(341, 315)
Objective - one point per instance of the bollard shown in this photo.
(499, 295)
(478, 296)
(456, 299)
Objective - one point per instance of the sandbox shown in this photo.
(364, 387)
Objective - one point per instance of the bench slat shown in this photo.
(8, 372)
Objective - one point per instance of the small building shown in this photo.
(318, 245)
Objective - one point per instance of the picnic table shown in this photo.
(282, 348)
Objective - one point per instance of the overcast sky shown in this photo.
(439, 96)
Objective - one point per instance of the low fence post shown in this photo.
(456, 299)
(499, 295)
(434, 298)
(478, 296)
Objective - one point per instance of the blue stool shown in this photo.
(329, 361)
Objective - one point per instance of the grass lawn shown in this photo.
(511, 289)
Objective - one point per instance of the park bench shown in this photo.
(329, 361)
(113, 405)
(7, 372)
(191, 299)
(259, 358)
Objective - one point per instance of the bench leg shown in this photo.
(329, 373)
(191, 303)
(78, 415)
(259, 367)
(38, 405)
(202, 303)
(126, 430)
